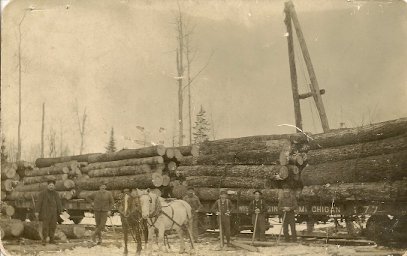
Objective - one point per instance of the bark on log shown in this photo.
(179, 191)
(8, 170)
(46, 171)
(73, 231)
(128, 162)
(16, 177)
(177, 155)
(272, 143)
(360, 150)
(45, 162)
(121, 182)
(9, 185)
(123, 170)
(117, 194)
(388, 167)
(158, 150)
(12, 227)
(60, 185)
(340, 137)
(233, 182)
(261, 171)
(188, 160)
(28, 195)
(22, 165)
(191, 150)
(373, 191)
(40, 179)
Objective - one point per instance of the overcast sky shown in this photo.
(117, 59)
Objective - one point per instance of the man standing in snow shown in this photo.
(287, 202)
(223, 207)
(102, 202)
(196, 205)
(258, 209)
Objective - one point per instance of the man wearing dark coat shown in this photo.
(196, 205)
(258, 207)
(223, 208)
(102, 202)
(287, 202)
(47, 210)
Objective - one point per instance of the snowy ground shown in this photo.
(209, 245)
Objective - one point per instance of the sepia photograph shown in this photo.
(203, 127)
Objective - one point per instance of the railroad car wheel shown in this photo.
(377, 228)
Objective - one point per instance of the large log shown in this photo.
(39, 179)
(373, 191)
(260, 171)
(46, 171)
(60, 185)
(7, 210)
(73, 231)
(28, 195)
(121, 182)
(272, 143)
(127, 162)
(158, 150)
(11, 227)
(360, 150)
(83, 194)
(120, 171)
(374, 168)
(22, 165)
(191, 150)
(8, 170)
(8, 185)
(45, 162)
(373, 132)
(169, 153)
(219, 181)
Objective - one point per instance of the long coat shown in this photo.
(48, 203)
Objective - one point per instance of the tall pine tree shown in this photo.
(111, 145)
(201, 128)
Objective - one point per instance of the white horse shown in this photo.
(175, 215)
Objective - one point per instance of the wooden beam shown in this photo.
(293, 71)
(307, 58)
(309, 94)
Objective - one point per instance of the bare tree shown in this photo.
(52, 151)
(81, 126)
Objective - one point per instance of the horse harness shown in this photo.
(158, 211)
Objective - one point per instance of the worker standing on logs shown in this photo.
(258, 210)
(102, 202)
(196, 205)
(222, 207)
(47, 210)
(287, 203)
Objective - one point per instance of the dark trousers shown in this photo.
(49, 224)
(260, 227)
(195, 230)
(100, 218)
(289, 221)
(225, 221)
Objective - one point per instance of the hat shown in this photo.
(103, 183)
(124, 190)
(257, 191)
(223, 192)
(51, 181)
(190, 188)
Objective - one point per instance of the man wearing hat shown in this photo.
(258, 210)
(287, 202)
(47, 210)
(223, 207)
(102, 202)
(196, 205)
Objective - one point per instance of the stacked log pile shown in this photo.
(364, 163)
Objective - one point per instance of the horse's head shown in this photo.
(149, 203)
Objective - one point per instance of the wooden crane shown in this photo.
(291, 18)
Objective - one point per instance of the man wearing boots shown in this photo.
(287, 202)
(258, 210)
(223, 207)
(196, 205)
(102, 202)
(48, 208)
